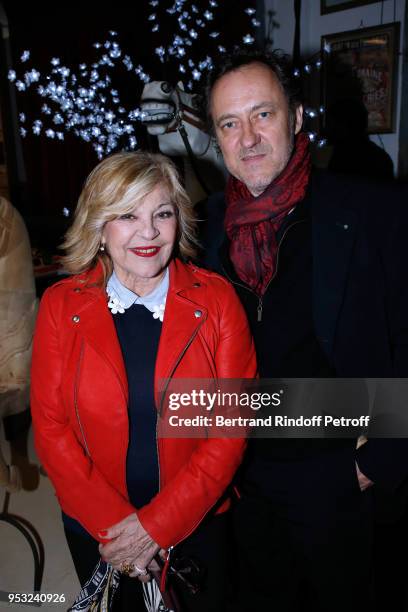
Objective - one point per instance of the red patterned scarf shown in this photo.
(251, 222)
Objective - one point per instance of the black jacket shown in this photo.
(359, 289)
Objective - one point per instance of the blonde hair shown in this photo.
(114, 188)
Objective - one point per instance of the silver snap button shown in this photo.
(345, 227)
(75, 319)
(77, 290)
(196, 284)
(197, 314)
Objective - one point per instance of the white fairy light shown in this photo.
(115, 52)
(160, 51)
(310, 112)
(32, 76)
(248, 39)
(250, 11)
(37, 126)
(25, 56)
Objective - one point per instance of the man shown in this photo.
(319, 263)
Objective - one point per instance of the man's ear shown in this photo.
(298, 118)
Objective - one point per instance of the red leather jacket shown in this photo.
(79, 400)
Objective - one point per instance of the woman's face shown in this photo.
(141, 243)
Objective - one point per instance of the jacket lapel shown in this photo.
(96, 325)
(183, 318)
(333, 235)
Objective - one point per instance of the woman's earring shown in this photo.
(102, 248)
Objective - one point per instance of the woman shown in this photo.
(134, 313)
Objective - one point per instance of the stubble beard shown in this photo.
(258, 187)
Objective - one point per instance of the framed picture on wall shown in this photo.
(361, 66)
(329, 6)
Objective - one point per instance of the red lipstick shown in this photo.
(146, 251)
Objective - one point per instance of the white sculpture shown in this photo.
(171, 114)
(18, 306)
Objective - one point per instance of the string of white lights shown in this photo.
(85, 103)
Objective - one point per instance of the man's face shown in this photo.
(253, 126)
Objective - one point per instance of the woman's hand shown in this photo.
(130, 544)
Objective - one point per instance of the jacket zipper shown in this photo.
(81, 354)
(179, 358)
(165, 389)
(170, 375)
(259, 307)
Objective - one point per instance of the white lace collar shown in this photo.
(121, 298)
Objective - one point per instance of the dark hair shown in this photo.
(277, 61)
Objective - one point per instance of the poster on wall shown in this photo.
(329, 6)
(361, 65)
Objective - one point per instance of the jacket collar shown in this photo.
(184, 315)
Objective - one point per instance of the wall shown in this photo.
(314, 25)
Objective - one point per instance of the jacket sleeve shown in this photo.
(385, 460)
(182, 504)
(82, 491)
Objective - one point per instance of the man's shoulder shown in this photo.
(364, 197)
(350, 190)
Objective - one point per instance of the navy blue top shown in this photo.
(139, 335)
